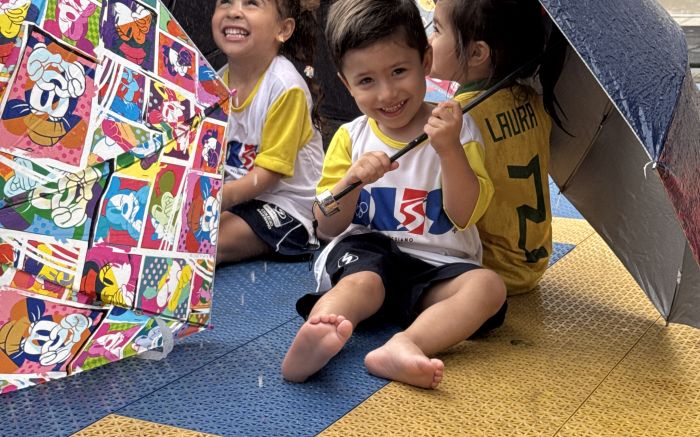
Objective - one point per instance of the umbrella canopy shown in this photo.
(632, 165)
(112, 126)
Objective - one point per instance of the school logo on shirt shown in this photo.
(408, 210)
(347, 259)
(241, 155)
(412, 211)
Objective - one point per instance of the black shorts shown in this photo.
(406, 278)
(274, 226)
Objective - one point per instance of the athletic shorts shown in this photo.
(274, 226)
(406, 278)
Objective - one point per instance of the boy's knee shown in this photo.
(492, 288)
(363, 281)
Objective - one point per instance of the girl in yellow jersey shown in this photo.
(274, 150)
(478, 43)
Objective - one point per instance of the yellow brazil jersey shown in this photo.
(516, 230)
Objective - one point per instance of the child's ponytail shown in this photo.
(300, 48)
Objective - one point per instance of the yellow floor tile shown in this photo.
(655, 391)
(118, 426)
(531, 376)
(570, 231)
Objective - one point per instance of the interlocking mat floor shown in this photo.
(585, 354)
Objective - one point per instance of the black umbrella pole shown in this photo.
(328, 203)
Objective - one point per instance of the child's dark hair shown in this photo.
(516, 33)
(300, 47)
(355, 24)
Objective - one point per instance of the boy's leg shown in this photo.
(331, 322)
(452, 311)
(237, 241)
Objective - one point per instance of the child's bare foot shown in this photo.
(402, 360)
(318, 340)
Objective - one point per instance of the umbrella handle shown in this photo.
(328, 203)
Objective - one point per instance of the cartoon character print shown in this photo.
(177, 60)
(11, 37)
(113, 137)
(170, 113)
(74, 21)
(202, 217)
(12, 15)
(68, 202)
(211, 91)
(35, 337)
(129, 31)
(202, 290)
(121, 218)
(111, 340)
(110, 277)
(178, 63)
(47, 110)
(209, 149)
(165, 286)
(52, 264)
(148, 339)
(163, 209)
(128, 101)
(19, 180)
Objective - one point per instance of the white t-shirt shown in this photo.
(406, 204)
(272, 129)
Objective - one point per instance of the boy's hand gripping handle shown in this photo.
(328, 203)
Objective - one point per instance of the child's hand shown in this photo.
(444, 126)
(370, 167)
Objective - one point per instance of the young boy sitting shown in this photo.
(404, 245)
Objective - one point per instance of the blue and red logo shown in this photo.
(416, 211)
(241, 155)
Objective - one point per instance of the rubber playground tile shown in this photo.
(244, 393)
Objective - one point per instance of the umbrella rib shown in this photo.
(606, 115)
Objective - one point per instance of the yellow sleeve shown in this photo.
(337, 161)
(475, 155)
(286, 130)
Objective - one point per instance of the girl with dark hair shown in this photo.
(274, 152)
(477, 43)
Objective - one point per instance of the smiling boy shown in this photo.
(404, 247)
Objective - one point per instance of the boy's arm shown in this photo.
(339, 172)
(250, 186)
(467, 189)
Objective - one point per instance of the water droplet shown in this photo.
(260, 381)
(252, 277)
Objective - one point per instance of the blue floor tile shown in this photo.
(250, 299)
(561, 207)
(558, 252)
(244, 394)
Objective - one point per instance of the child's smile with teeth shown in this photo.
(390, 110)
(235, 33)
